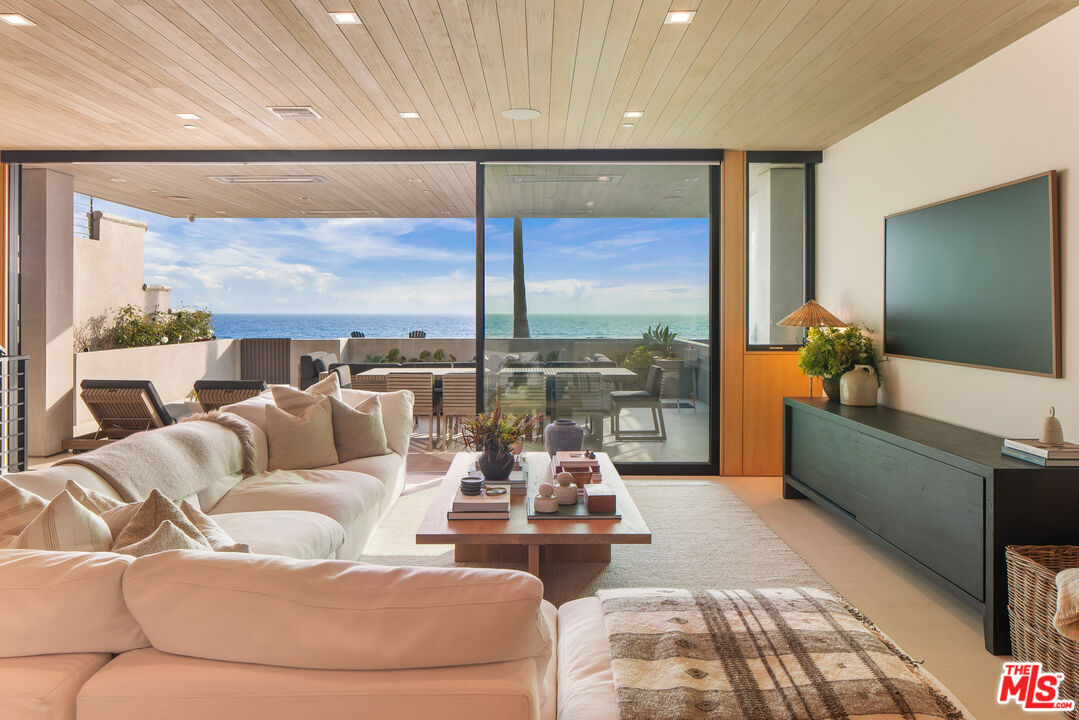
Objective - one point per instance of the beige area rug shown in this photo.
(703, 536)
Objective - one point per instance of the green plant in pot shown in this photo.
(493, 435)
(829, 352)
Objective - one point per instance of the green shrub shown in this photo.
(830, 352)
(639, 361)
(439, 355)
(131, 326)
(394, 355)
(425, 355)
(659, 340)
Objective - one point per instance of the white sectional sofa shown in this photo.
(325, 512)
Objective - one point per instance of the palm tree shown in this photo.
(520, 307)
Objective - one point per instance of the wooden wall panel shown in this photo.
(768, 378)
(3, 256)
(732, 312)
(753, 384)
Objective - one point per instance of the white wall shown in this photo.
(1014, 114)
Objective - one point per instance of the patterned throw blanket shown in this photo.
(782, 654)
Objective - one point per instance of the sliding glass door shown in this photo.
(597, 286)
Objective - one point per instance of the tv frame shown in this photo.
(1054, 255)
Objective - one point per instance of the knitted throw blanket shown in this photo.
(178, 460)
(783, 654)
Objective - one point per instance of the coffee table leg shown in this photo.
(533, 559)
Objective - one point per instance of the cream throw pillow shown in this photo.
(301, 441)
(296, 401)
(166, 537)
(156, 509)
(118, 518)
(17, 507)
(358, 432)
(93, 500)
(219, 540)
(65, 524)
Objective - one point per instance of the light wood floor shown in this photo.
(926, 621)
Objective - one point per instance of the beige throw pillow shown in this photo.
(117, 518)
(358, 432)
(219, 540)
(93, 500)
(166, 537)
(17, 507)
(154, 510)
(301, 441)
(296, 401)
(65, 524)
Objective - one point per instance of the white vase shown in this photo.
(858, 386)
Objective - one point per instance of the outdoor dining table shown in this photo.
(436, 371)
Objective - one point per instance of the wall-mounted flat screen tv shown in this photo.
(975, 280)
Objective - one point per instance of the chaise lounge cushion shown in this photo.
(45, 687)
(351, 498)
(64, 602)
(336, 615)
(289, 533)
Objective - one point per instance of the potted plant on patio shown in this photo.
(493, 435)
(831, 351)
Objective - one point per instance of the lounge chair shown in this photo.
(121, 408)
(417, 333)
(212, 394)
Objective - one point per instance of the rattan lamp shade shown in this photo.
(811, 315)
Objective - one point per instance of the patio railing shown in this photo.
(14, 453)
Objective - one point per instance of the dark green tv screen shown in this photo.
(975, 280)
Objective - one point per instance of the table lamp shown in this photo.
(812, 315)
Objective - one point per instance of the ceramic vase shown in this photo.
(545, 501)
(563, 435)
(831, 388)
(495, 464)
(566, 492)
(858, 386)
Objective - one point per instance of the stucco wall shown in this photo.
(1010, 116)
(108, 271)
(173, 369)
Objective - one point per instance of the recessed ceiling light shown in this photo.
(222, 212)
(16, 19)
(304, 198)
(521, 114)
(679, 17)
(416, 180)
(155, 191)
(345, 18)
(446, 212)
(117, 180)
(187, 116)
(633, 113)
(590, 203)
(629, 125)
(409, 115)
(191, 127)
(177, 197)
(565, 178)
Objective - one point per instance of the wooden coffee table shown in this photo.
(518, 539)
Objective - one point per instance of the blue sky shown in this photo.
(388, 265)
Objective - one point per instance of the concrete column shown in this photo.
(46, 307)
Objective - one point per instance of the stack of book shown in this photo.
(517, 482)
(479, 507)
(1035, 451)
(583, 468)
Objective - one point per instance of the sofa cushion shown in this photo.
(358, 432)
(210, 495)
(289, 533)
(252, 409)
(45, 687)
(65, 524)
(333, 614)
(336, 494)
(166, 537)
(154, 511)
(17, 507)
(301, 441)
(64, 602)
(396, 414)
(387, 469)
(152, 684)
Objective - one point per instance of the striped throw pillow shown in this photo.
(17, 507)
(65, 524)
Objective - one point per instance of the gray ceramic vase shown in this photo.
(563, 435)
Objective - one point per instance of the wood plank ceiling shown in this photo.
(776, 74)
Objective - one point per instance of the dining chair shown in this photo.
(458, 401)
(425, 402)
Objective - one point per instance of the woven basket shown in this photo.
(1032, 602)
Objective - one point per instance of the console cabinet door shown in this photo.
(824, 456)
(931, 510)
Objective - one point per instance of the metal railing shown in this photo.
(14, 453)
(83, 225)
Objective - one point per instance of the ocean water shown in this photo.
(689, 327)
